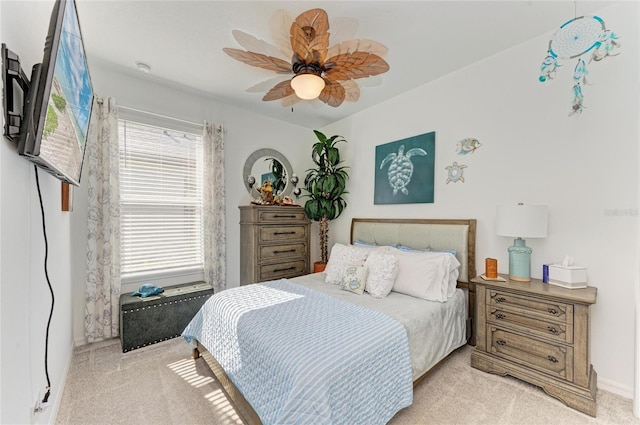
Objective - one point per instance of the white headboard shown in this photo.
(435, 234)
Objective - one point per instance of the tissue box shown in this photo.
(572, 277)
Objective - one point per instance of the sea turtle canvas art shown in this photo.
(404, 171)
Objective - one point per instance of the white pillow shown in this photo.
(383, 269)
(354, 278)
(426, 275)
(454, 273)
(342, 256)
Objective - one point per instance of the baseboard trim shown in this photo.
(63, 381)
(615, 387)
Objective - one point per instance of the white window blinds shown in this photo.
(160, 200)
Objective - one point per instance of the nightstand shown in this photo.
(539, 333)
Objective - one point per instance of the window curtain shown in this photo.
(103, 243)
(215, 244)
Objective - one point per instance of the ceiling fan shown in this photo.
(308, 68)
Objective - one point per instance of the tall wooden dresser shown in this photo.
(274, 242)
(539, 333)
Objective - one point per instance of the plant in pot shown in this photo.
(325, 184)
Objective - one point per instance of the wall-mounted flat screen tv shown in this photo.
(58, 103)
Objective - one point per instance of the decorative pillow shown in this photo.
(426, 275)
(408, 248)
(383, 269)
(354, 278)
(364, 244)
(342, 256)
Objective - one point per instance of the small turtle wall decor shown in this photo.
(454, 172)
(404, 170)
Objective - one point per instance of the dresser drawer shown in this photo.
(554, 330)
(280, 216)
(282, 234)
(282, 252)
(555, 360)
(282, 270)
(537, 307)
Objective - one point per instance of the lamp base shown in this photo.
(520, 261)
(520, 279)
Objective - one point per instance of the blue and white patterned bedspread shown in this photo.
(302, 357)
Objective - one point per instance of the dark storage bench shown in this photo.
(145, 321)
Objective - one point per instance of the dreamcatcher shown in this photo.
(575, 38)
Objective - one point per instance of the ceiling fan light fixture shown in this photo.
(307, 86)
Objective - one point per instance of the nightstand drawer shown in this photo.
(296, 214)
(553, 330)
(282, 252)
(531, 306)
(555, 360)
(282, 270)
(282, 234)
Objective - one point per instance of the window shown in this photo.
(160, 201)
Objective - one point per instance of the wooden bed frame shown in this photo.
(415, 233)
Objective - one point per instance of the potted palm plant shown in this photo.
(325, 184)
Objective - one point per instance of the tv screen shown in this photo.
(58, 104)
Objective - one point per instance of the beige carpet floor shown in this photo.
(161, 384)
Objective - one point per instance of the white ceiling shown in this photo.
(182, 41)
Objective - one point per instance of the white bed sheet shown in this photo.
(434, 329)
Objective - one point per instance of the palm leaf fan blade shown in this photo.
(259, 60)
(356, 65)
(279, 91)
(332, 94)
(358, 45)
(279, 26)
(314, 18)
(351, 90)
(254, 44)
(308, 50)
(310, 36)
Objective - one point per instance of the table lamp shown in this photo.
(521, 221)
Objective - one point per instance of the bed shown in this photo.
(411, 335)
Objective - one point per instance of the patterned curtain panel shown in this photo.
(103, 244)
(215, 242)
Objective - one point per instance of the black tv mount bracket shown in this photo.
(13, 99)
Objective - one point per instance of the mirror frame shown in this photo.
(267, 152)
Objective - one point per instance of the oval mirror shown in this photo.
(269, 164)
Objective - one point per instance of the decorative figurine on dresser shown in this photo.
(539, 333)
(274, 242)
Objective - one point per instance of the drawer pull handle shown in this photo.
(284, 233)
(284, 270)
(552, 330)
(500, 299)
(500, 316)
(282, 252)
(284, 216)
(552, 359)
(552, 310)
(501, 342)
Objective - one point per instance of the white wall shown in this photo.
(581, 167)
(245, 132)
(25, 302)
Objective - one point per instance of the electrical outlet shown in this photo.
(40, 406)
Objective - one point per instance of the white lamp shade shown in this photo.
(522, 221)
(307, 86)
